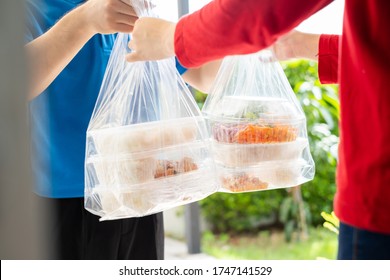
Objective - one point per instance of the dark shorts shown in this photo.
(74, 233)
(359, 244)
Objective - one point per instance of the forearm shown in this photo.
(296, 44)
(237, 28)
(203, 77)
(49, 54)
(307, 46)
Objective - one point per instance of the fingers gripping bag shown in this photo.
(258, 127)
(147, 146)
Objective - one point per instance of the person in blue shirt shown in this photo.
(68, 44)
(68, 47)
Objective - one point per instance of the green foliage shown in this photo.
(246, 212)
(241, 212)
(271, 245)
(289, 215)
(200, 97)
(321, 106)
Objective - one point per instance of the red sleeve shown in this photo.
(328, 59)
(227, 27)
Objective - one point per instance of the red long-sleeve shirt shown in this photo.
(328, 58)
(226, 27)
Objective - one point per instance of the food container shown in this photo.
(155, 195)
(251, 120)
(241, 155)
(257, 143)
(144, 136)
(254, 132)
(140, 167)
(272, 175)
(142, 183)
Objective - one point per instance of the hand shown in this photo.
(109, 16)
(152, 39)
(50, 53)
(296, 44)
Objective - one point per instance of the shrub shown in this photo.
(242, 212)
(321, 106)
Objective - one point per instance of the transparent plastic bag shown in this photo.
(147, 147)
(258, 127)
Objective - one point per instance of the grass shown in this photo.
(271, 245)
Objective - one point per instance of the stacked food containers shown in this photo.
(146, 168)
(258, 129)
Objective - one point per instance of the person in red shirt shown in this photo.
(226, 27)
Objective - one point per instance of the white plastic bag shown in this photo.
(147, 145)
(258, 127)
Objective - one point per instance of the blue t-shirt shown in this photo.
(60, 115)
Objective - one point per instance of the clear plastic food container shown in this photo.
(248, 108)
(272, 175)
(241, 155)
(255, 132)
(142, 183)
(139, 167)
(254, 120)
(144, 136)
(155, 195)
